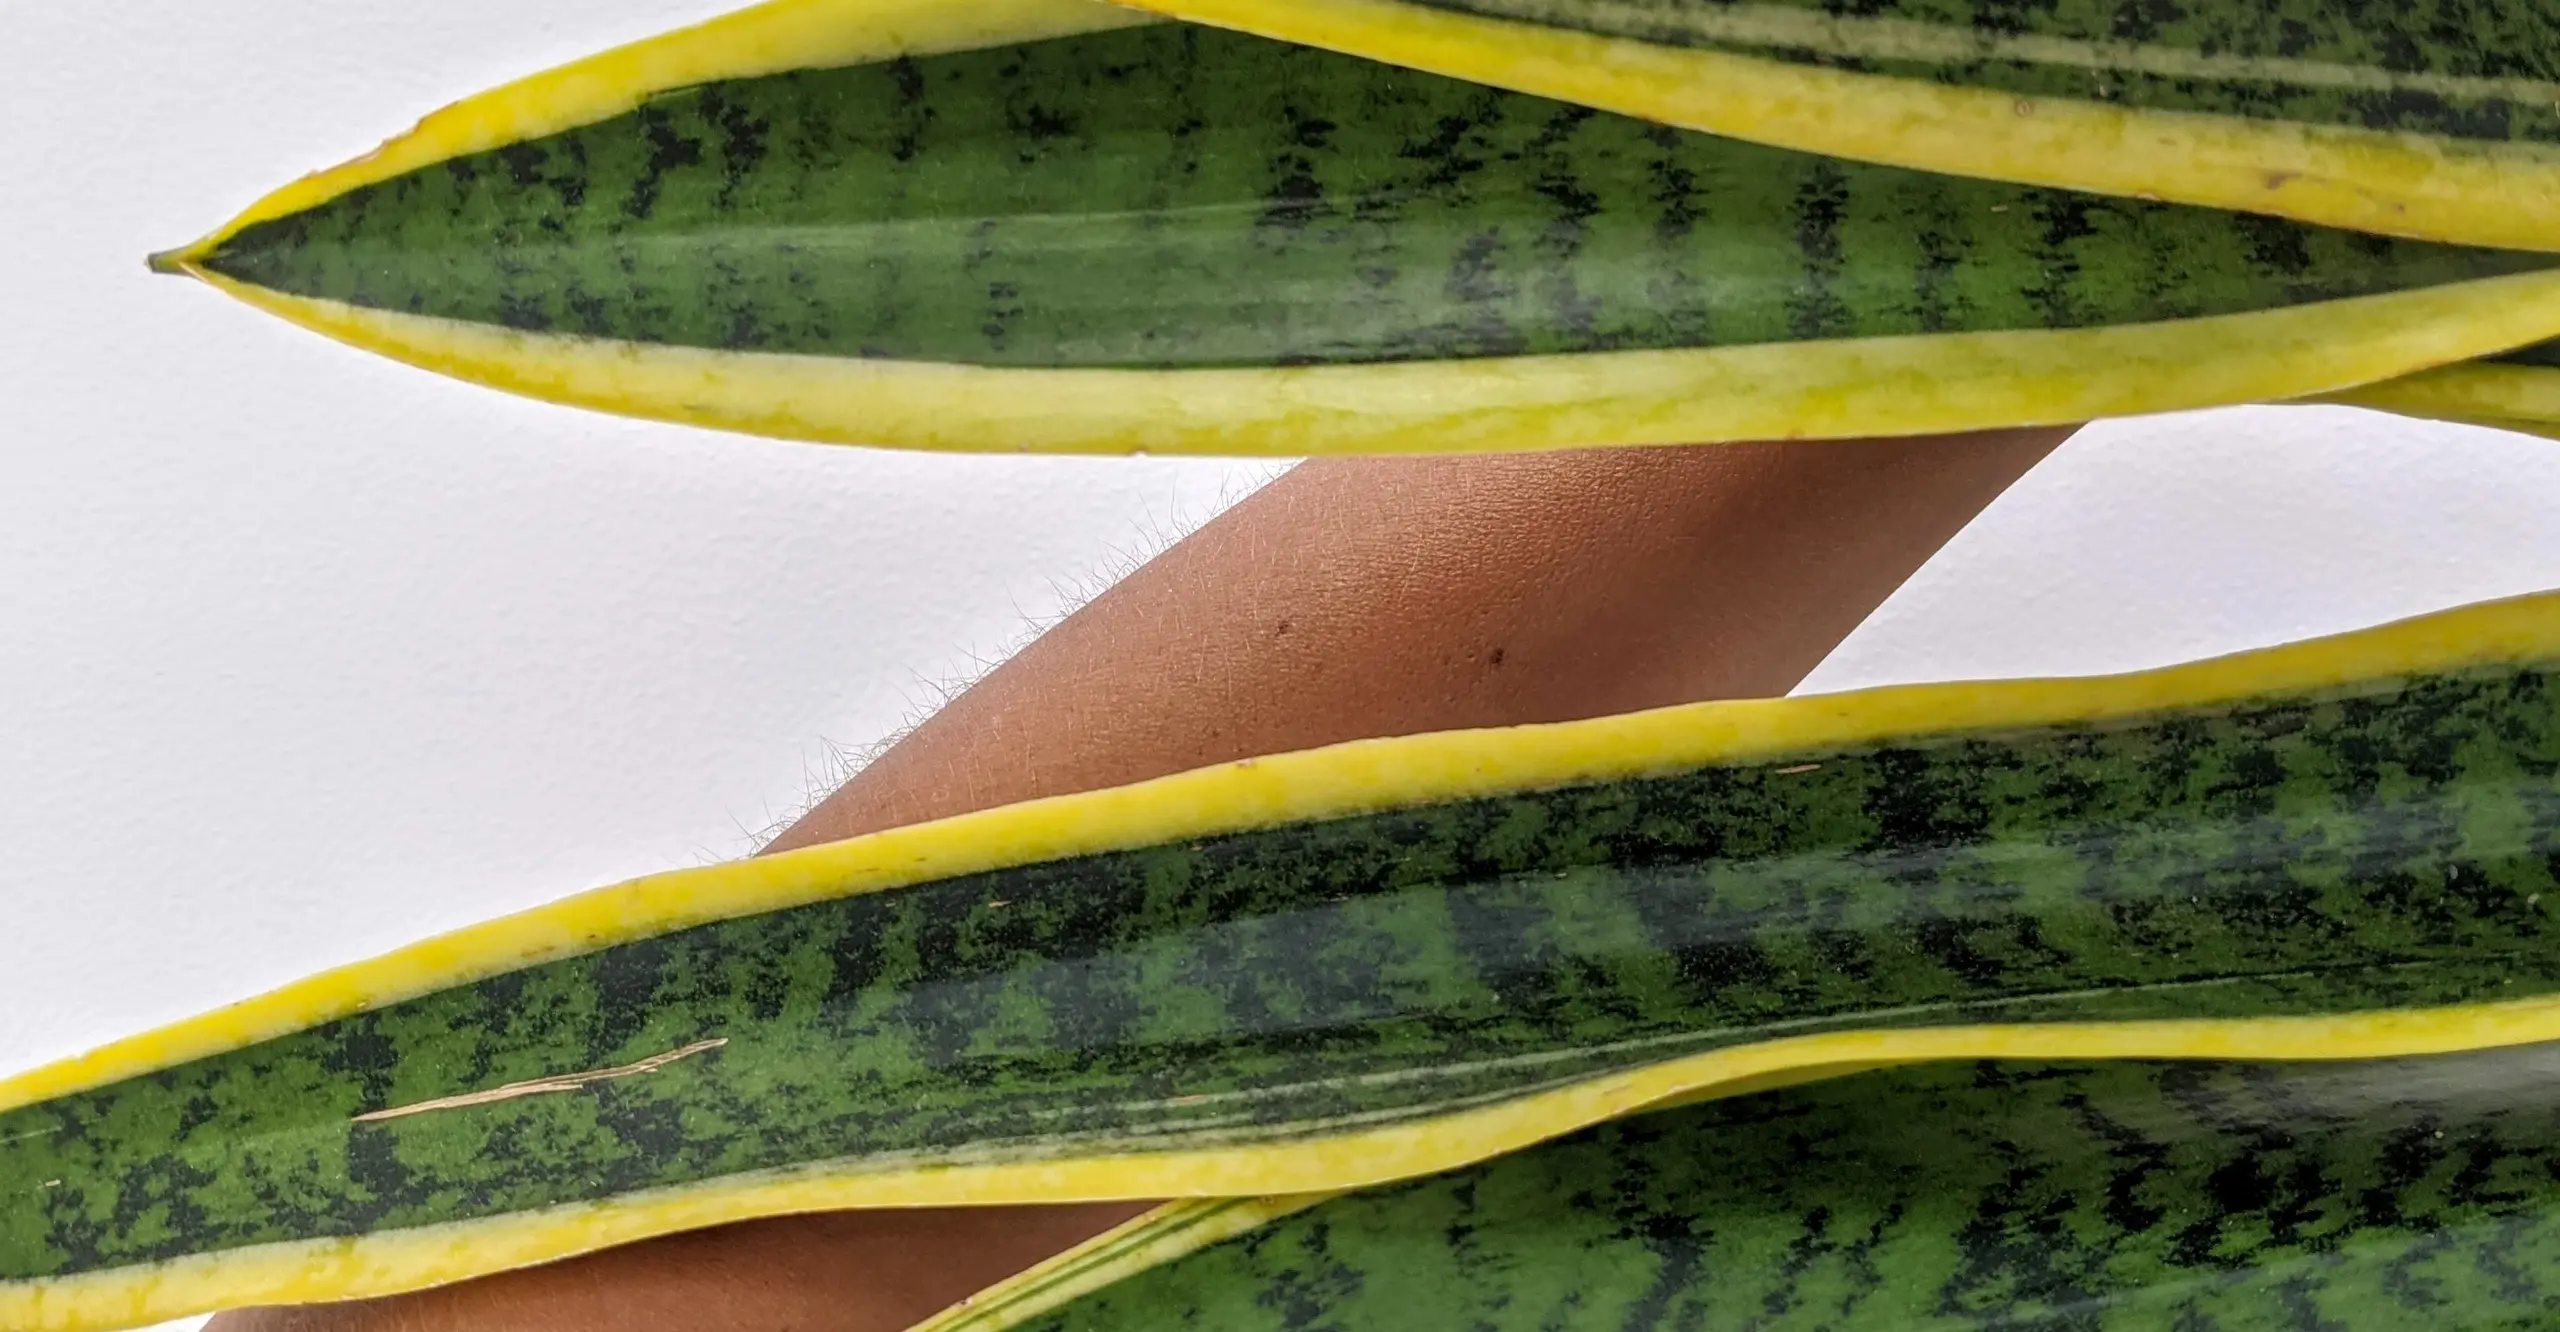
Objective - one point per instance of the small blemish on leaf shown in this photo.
(567, 1082)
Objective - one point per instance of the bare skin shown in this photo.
(1349, 599)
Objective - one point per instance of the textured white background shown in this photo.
(305, 655)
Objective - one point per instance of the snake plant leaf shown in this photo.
(2437, 119)
(2123, 1197)
(1313, 972)
(2518, 390)
(1180, 239)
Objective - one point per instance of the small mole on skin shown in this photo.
(1284, 626)
(1498, 655)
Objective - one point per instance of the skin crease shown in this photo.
(1351, 598)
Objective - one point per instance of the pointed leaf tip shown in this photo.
(179, 262)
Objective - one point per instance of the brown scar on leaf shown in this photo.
(1799, 768)
(566, 1082)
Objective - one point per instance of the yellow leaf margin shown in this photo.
(2501, 195)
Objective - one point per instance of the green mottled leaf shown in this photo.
(2094, 1198)
(2386, 846)
(1171, 196)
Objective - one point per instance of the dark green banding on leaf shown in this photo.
(2387, 845)
(2364, 1197)
(1175, 196)
(2461, 71)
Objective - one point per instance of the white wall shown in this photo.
(304, 655)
